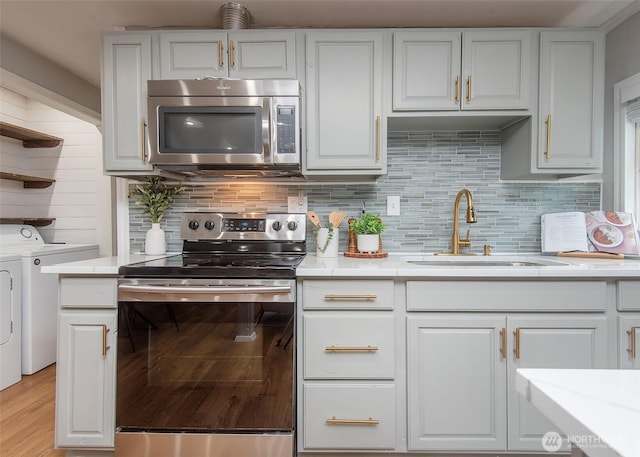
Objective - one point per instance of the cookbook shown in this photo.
(613, 232)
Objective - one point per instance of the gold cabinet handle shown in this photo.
(143, 135)
(367, 348)
(105, 348)
(377, 138)
(547, 152)
(503, 342)
(220, 54)
(632, 349)
(469, 88)
(363, 297)
(458, 88)
(232, 52)
(516, 349)
(334, 421)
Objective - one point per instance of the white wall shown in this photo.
(80, 199)
(622, 61)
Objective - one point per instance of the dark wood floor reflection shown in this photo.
(193, 374)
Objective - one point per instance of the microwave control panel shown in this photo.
(286, 123)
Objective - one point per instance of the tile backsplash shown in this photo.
(426, 169)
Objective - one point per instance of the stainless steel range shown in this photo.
(206, 348)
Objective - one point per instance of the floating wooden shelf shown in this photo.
(30, 182)
(35, 221)
(30, 138)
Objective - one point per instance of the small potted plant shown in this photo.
(367, 229)
(156, 198)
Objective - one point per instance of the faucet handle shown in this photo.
(466, 242)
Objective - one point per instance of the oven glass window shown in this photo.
(210, 130)
(205, 367)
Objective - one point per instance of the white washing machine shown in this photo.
(39, 290)
(10, 320)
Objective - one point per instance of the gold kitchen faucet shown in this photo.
(456, 241)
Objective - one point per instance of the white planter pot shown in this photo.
(368, 243)
(155, 242)
(326, 247)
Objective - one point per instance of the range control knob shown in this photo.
(276, 225)
(209, 225)
(193, 225)
(292, 225)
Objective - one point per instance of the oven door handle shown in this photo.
(205, 289)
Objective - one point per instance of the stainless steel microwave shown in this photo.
(225, 127)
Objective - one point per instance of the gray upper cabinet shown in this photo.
(126, 68)
(246, 54)
(450, 70)
(564, 136)
(345, 130)
(571, 100)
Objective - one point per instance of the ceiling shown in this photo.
(68, 32)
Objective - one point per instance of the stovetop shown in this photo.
(220, 245)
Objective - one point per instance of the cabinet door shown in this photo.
(629, 341)
(344, 102)
(571, 100)
(126, 68)
(426, 70)
(262, 55)
(456, 383)
(85, 386)
(193, 54)
(546, 341)
(496, 70)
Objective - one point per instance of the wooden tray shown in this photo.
(591, 255)
(367, 255)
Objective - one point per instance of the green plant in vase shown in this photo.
(156, 198)
(368, 229)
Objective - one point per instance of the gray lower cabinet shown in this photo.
(628, 324)
(347, 392)
(461, 366)
(457, 383)
(461, 370)
(86, 364)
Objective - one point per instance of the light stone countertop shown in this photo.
(397, 265)
(598, 410)
(101, 266)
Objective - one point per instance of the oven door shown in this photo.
(205, 364)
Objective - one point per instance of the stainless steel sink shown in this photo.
(481, 262)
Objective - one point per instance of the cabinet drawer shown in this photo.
(629, 295)
(347, 294)
(349, 416)
(348, 346)
(556, 296)
(88, 292)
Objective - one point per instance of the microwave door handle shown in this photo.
(268, 136)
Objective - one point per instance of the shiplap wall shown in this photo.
(80, 199)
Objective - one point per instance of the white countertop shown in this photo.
(101, 265)
(397, 265)
(598, 410)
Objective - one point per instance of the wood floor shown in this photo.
(27, 416)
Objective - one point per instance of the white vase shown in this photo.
(155, 242)
(368, 243)
(326, 247)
